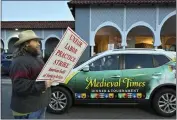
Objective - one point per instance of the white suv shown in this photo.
(121, 76)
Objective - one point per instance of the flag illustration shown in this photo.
(92, 95)
(134, 95)
(120, 95)
(101, 95)
(106, 95)
(78, 95)
(139, 95)
(83, 95)
(124, 95)
(111, 95)
(129, 95)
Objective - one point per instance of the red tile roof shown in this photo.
(91, 2)
(37, 24)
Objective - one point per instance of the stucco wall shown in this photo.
(140, 13)
(100, 15)
(82, 28)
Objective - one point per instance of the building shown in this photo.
(107, 24)
(50, 31)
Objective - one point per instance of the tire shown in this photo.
(160, 98)
(65, 95)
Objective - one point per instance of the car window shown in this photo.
(138, 61)
(79, 63)
(110, 62)
(160, 60)
(9, 57)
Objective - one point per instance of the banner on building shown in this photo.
(64, 57)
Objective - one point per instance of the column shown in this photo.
(124, 34)
(92, 42)
(5, 50)
(92, 50)
(43, 53)
(43, 48)
(124, 40)
(5, 46)
(157, 41)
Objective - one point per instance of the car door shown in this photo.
(137, 75)
(101, 79)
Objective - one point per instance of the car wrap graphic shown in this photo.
(168, 76)
(137, 87)
(70, 76)
(125, 86)
(173, 59)
(128, 83)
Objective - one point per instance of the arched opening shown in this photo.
(168, 34)
(140, 37)
(50, 45)
(106, 38)
(2, 46)
(11, 43)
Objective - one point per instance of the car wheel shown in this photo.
(61, 100)
(164, 102)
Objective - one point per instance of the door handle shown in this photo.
(157, 74)
(115, 76)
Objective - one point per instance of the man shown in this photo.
(29, 97)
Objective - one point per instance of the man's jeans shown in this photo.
(40, 114)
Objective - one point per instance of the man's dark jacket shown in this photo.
(27, 94)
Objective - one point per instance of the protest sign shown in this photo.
(63, 58)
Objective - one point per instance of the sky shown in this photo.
(36, 11)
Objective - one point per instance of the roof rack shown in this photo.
(147, 49)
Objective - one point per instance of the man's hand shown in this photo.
(48, 83)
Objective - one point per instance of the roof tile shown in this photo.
(91, 2)
(37, 24)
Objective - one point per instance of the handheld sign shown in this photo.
(63, 58)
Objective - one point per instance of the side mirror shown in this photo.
(86, 68)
